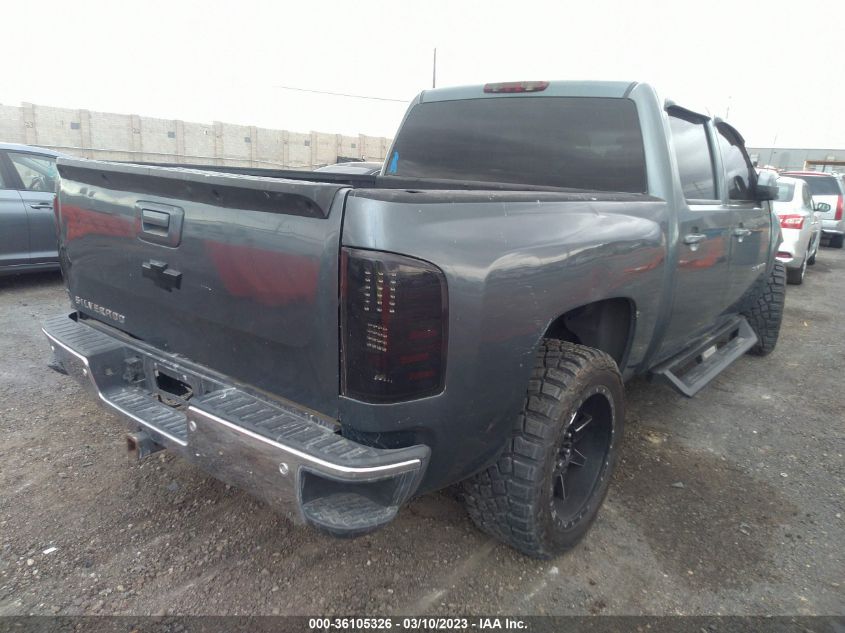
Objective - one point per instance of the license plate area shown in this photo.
(172, 386)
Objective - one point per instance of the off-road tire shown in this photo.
(765, 309)
(836, 241)
(512, 500)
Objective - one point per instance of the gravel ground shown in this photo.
(729, 503)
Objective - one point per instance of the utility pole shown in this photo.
(434, 71)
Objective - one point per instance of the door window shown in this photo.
(693, 153)
(739, 173)
(37, 173)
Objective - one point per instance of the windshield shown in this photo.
(785, 191)
(583, 143)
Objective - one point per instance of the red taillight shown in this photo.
(791, 221)
(839, 204)
(393, 326)
(517, 86)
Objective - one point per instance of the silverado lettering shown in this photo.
(98, 309)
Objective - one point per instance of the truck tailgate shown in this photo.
(235, 272)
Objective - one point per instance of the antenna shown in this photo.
(434, 71)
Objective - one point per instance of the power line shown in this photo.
(342, 94)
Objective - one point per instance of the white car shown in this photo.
(800, 225)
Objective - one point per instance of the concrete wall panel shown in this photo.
(12, 124)
(109, 136)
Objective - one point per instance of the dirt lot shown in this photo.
(730, 503)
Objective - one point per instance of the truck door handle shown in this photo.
(41, 205)
(694, 238)
(740, 233)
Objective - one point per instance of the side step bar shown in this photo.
(694, 368)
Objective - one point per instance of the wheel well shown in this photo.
(606, 325)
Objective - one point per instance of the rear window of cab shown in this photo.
(571, 142)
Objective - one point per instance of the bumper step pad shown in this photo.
(306, 435)
(139, 405)
(347, 513)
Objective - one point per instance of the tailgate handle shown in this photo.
(153, 220)
(159, 223)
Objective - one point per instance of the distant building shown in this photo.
(794, 158)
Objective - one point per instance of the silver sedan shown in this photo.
(800, 226)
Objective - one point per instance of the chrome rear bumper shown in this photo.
(292, 458)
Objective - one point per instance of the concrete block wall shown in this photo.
(11, 124)
(109, 136)
(200, 139)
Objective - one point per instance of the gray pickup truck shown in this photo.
(340, 343)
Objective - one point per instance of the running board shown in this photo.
(693, 368)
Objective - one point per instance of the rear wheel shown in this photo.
(545, 490)
(836, 241)
(765, 309)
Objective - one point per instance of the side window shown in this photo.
(695, 161)
(808, 199)
(739, 173)
(38, 173)
(786, 190)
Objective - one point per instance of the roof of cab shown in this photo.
(613, 89)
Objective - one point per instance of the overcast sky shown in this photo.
(777, 66)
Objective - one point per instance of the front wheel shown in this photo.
(545, 490)
(765, 309)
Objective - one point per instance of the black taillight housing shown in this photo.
(393, 326)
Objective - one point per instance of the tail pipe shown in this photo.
(140, 445)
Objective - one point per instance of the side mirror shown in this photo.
(822, 207)
(767, 186)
